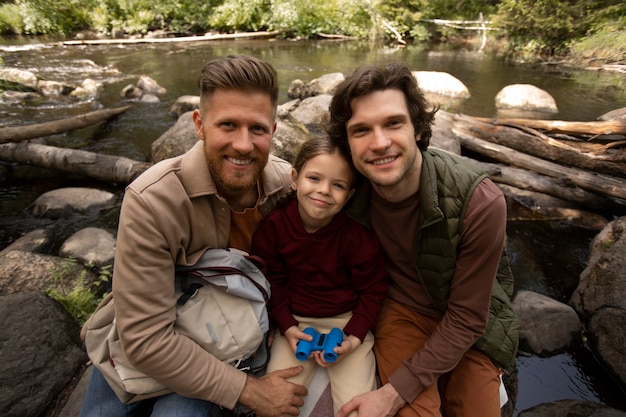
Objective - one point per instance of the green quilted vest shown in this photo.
(446, 184)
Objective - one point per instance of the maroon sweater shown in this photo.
(334, 270)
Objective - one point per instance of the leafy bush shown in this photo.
(607, 45)
(43, 17)
(543, 26)
(10, 20)
(83, 299)
(241, 15)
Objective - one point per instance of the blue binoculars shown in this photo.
(325, 342)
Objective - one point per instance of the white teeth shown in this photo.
(239, 161)
(383, 161)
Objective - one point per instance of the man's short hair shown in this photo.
(239, 73)
(369, 79)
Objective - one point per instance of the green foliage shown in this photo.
(83, 299)
(44, 17)
(544, 26)
(404, 15)
(11, 22)
(606, 45)
(458, 10)
(300, 18)
(241, 15)
(530, 26)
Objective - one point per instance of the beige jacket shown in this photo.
(170, 215)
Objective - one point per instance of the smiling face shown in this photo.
(237, 128)
(383, 143)
(323, 186)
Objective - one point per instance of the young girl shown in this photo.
(326, 271)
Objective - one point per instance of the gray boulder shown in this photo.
(66, 202)
(26, 79)
(24, 271)
(607, 336)
(177, 140)
(546, 326)
(90, 246)
(599, 298)
(326, 84)
(525, 97)
(603, 282)
(41, 353)
(183, 104)
(441, 83)
(313, 111)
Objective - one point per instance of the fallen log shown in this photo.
(528, 180)
(609, 162)
(207, 37)
(605, 127)
(108, 168)
(533, 205)
(24, 132)
(598, 183)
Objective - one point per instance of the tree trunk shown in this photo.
(20, 133)
(607, 127)
(609, 162)
(529, 180)
(598, 183)
(108, 168)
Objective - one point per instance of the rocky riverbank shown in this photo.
(44, 362)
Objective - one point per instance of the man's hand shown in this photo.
(384, 402)
(272, 395)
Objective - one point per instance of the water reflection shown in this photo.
(547, 257)
(567, 376)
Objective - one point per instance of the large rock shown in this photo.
(289, 136)
(25, 271)
(37, 241)
(41, 353)
(603, 282)
(546, 326)
(525, 97)
(599, 298)
(90, 246)
(326, 84)
(183, 104)
(441, 83)
(177, 140)
(66, 202)
(607, 336)
(313, 112)
(22, 80)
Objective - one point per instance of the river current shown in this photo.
(547, 255)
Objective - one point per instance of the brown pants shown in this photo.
(469, 390)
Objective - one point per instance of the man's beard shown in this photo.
(234, 182)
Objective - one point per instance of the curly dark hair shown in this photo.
(368, 79)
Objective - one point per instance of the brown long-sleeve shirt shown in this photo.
(482, 237)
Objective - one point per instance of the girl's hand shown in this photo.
(294, 335)
(349, 345)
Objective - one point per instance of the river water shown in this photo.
(547, 255)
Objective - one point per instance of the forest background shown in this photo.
(588, 32)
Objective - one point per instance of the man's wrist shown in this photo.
(395, 399)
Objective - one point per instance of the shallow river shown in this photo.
(547, 255)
